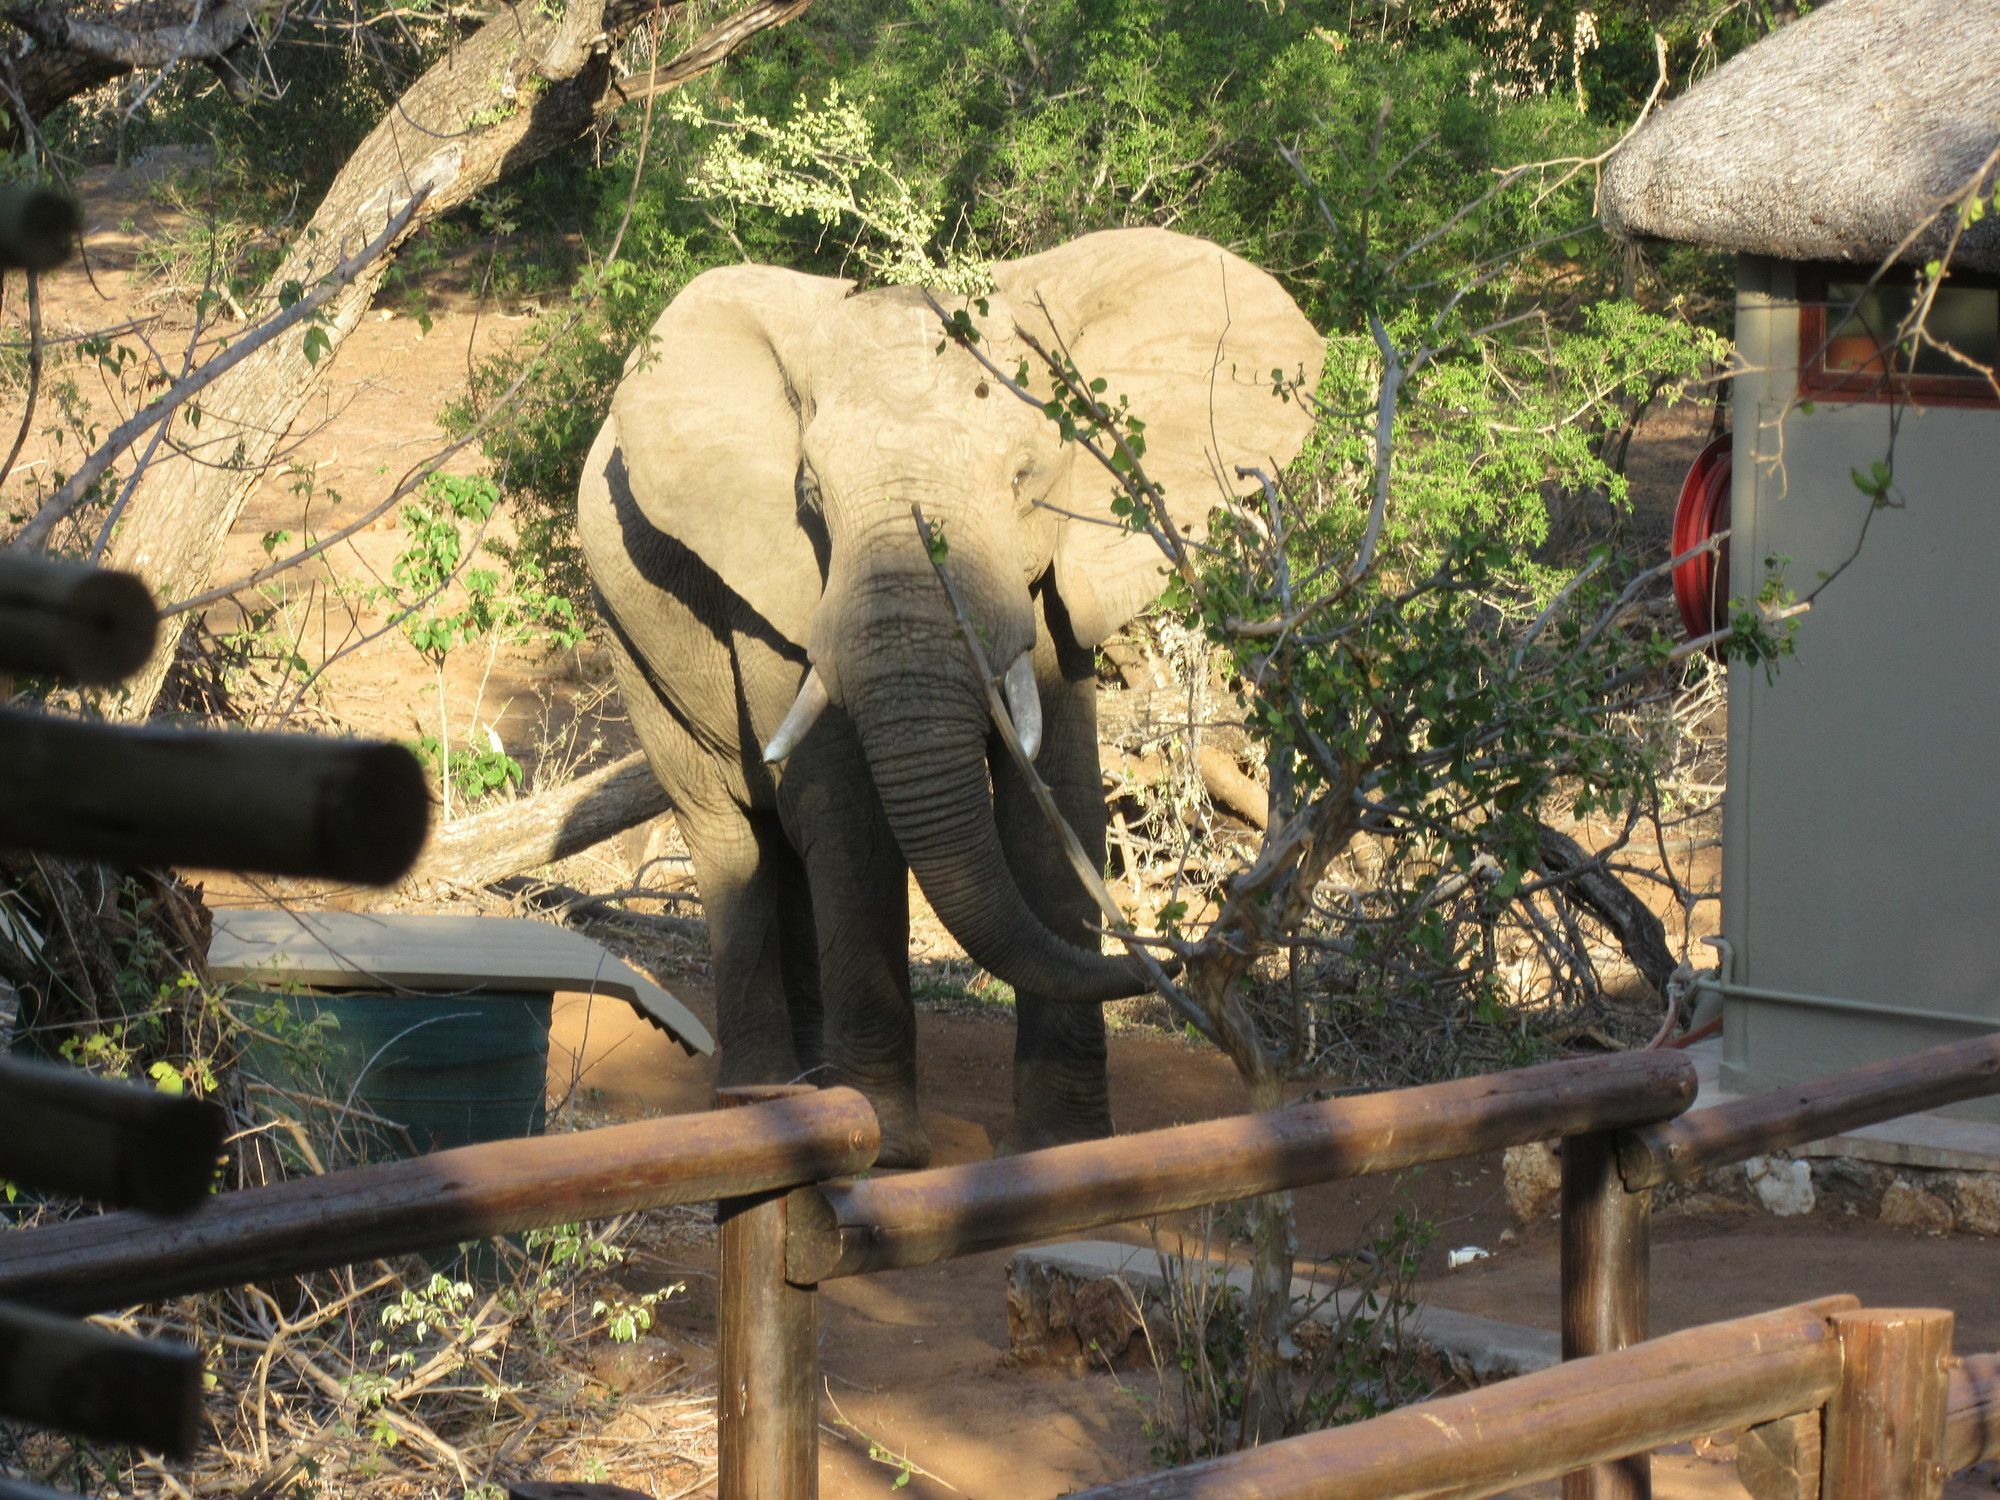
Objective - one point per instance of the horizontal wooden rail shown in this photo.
(65, 1373)
(65, 1131)
(922, 1217)
(1537, 1426)
(1678, 1149)
(313, 1223)
(14, 1489)
(279, 804)
(1972, 1413)
(72, 622)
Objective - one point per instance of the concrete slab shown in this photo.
(1482, 1348)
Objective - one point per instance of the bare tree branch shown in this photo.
(35, 533)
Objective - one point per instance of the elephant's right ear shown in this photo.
(708, 423)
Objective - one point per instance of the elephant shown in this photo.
(796, 674)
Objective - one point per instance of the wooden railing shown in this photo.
(1849, 1403)
(1625, 1134)
(1608, 1184)
(315, 1223)
(916, 1218)
(920, 1217)
(788, 1225)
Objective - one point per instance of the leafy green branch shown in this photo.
(822, 165)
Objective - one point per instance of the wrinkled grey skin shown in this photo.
(746, 513)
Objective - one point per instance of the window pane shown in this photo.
(1861, 320)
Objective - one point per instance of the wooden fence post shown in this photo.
(768, 1341)
(1606, 1268)
(1884, 1434)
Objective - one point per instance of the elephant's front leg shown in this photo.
(1062, 1088)
(861, 907)
(740, 867)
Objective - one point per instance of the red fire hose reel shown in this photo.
(1701, 584)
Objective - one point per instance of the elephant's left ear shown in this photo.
(1190, 334)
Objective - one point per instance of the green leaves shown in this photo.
(935, 544)
(1875, 482)
(433, 567)
(820, 163)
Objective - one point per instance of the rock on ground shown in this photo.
(1906, 1206)
(1533, 1175)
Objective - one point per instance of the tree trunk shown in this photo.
(1639, 932)
(518, 87)
(1268, 1314)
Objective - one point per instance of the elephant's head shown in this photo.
(784, 425)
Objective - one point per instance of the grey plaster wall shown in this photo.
(1861, 827)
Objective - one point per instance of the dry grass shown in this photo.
(396, 1380)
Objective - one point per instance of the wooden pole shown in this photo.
(916, 1218)
(1606, 1266)
(65, 1131)
(313, 1223)
(768, 1332)
(69, 621)
(279, 804)
(1885, 1423)
(1972, 1413)
(86, 1380)
(1781, 1460)
(1676, 1150)
(1499, 1437)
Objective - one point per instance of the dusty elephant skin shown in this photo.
(746, 516)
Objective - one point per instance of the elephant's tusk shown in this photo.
(1024, 704)
(803, 714)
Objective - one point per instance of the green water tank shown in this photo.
(447, 1069)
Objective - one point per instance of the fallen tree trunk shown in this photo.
(539, 830)
(1233, 787)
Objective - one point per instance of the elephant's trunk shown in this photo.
(922, 719)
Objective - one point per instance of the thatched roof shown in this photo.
(1830, 140)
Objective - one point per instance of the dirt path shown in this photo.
(373, 419)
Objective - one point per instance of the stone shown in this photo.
(637, 1366)
(1848, 1184)
(1975, 1199)
(1906, 1206)
(1065, 1316)
(1533, 1174)
(1783, 1186)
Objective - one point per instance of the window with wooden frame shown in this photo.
(1857, 339)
